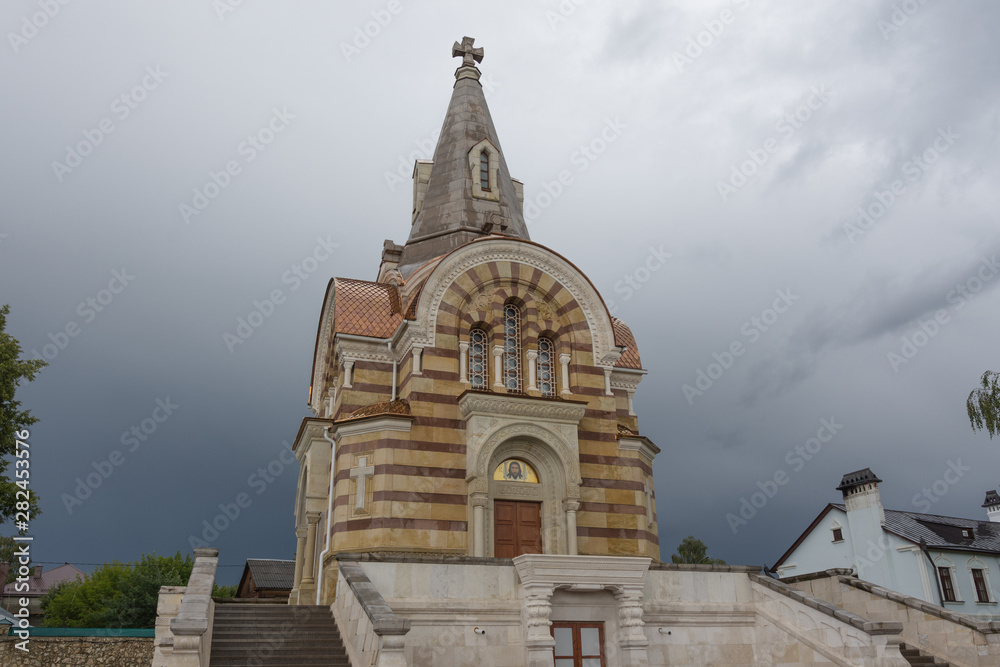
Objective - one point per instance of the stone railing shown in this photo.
(959, 639)
(184, 616)
(373, 634)
(840, 636)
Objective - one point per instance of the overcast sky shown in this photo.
(165, 167)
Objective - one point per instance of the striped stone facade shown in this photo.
(424, 484)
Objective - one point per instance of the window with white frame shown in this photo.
(546, 367)
(478, 370)
(947, 580)
(838, 532)
(980, 580)
(512, 347)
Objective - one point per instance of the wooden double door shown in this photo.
(517, 528)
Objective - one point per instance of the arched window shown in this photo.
(477, 359)
(484, 170)
(512, 348)
(546, 369)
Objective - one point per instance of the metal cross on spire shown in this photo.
(467, 52)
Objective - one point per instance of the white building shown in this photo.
(943, 560)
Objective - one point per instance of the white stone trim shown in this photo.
(472, 404)
(371, 425)
(640, 445)
(423, 329)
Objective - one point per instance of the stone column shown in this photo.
(300, 552)
(571, 507)
(497, 366)
(632, 640)
(631, 408)
(308, 569)
(479, 501)
(532, 369)
(348, 373)
(564, 363)
(463, 362)
(418, 356)
(607, 382)
(538, 640)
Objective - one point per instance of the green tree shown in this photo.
(223, 591)
(116, 595)
(983, 404)
(14, 421)
(692, 550)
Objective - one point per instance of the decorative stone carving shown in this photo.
(545, 311)
(519, 406)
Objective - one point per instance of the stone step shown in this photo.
(918, 658)
(275, 636)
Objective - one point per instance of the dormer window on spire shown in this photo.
(484, 163)
(484, 171)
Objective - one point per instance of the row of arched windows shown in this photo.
(511, 377)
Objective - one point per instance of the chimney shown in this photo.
(992, 506)
(860, 491)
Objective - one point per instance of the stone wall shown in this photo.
(725, 616)
(962, 640)
(89, 651)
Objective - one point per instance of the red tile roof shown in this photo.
(624, 338)
(365, 308)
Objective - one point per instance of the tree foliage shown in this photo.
(983, 404)
(116, 595)
(13, 420)
(692, 550)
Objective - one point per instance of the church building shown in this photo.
(474, 399)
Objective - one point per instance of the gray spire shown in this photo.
(455, 208)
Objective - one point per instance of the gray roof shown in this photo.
(268, 573)
(857, 478)
(450, 216)
(942, 532)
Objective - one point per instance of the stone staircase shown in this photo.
(275, 635)
(918, 658)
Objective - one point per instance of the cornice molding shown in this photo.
(365, 425)
(626, 379)
(513, 407)
(639, 444)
